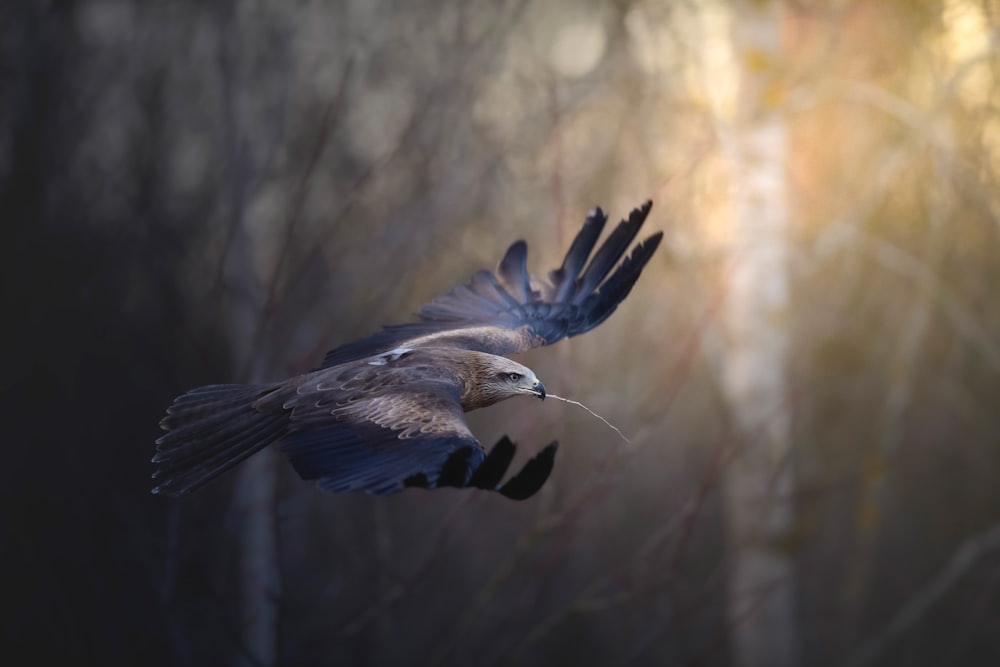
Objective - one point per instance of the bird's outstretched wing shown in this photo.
(413, 436)
(508, 310)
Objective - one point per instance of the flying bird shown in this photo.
(387, 412)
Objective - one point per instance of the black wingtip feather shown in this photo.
(493, 468)
(456, 468)
(513, 268)
(611, 251)
(532, 476)
(564, 278)
(613, 291)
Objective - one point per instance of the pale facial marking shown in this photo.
(517, 379)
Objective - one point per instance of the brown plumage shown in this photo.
(387, 411)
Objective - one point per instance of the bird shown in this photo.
(386, 412)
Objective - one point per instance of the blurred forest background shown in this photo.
(809, 371)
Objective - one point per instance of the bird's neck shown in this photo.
(474, 379)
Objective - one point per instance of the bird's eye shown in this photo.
(513, 377)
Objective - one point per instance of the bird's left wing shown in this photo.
(411, 436)
(508, 310)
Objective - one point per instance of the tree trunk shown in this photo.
(255, 496)
(759, 482)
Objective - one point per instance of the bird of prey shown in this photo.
(387, 412)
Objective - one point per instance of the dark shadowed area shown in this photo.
(808, 370)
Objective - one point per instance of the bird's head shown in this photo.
(501, 378)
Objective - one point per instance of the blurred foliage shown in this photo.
(167, 168)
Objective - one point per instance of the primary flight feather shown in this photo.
(387, 412)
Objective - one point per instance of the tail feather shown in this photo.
(220, 443)
(209, 430)
(192, 407)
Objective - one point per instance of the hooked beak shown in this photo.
(538, 389)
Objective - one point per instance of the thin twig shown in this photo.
(613, 427)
